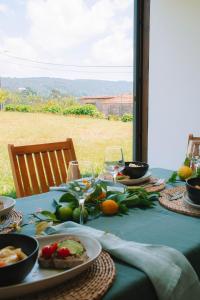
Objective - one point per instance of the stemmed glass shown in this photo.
(114, 160)
(194, 154)
(83, 173)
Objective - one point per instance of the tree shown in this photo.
(3, 95)
(55, 94)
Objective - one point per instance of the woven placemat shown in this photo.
(177, 205)
(155, 188)
(92, 284)
(149, 185)
(10, 221)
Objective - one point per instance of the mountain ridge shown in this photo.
(73, 87)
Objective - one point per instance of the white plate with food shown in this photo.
(48, 270)
(188, 201)
(6, 205)
(128, 181)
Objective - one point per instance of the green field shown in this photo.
(90, 137)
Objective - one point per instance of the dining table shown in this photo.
(156, 225)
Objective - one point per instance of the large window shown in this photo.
(68, 70)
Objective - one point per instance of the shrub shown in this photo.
(23, 108)
(54, 109)
(113, 117)
(127, 118)
(87, 109)
(10, 107)
(19, 107)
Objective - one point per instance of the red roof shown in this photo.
(107, 97)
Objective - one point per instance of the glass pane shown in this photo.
(66, 71)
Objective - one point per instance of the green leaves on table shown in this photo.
(127, 199)
(173, 177)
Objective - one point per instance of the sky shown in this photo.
(59, 38)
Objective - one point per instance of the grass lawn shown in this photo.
(90, 137)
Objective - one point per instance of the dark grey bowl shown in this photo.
(135, 172)
(16, 272)
(193, 192)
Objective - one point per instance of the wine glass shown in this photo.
(114, 160)
(83, 174)
(193, 154)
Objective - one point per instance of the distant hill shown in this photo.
(79, 87)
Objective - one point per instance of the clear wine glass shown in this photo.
(114, 160)
(193, 154)
(82, 172)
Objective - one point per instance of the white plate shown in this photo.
(40, 279)
(187, 200)
(128, 181)
(8, 204)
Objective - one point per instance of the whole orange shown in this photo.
(109, 207)
(101, 196)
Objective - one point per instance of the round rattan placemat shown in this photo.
(177, 205)
(155, 188)
(10, 222)
(92, 284)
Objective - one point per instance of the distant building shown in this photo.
(111, 105)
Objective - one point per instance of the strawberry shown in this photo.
(120, 174)
(63, 252)
(48, 250)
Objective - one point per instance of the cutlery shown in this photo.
(154, 183)
(175, 196)
(58, 188)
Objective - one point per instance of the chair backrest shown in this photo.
(37, 167)
(193, 145)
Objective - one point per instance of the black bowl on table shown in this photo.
(193, 189)
(137, 171)
(16, 272)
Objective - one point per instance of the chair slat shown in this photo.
(55, 167)
(33, 175)
(16, 172)
(41, 174)
(61, 165)
(47, 168)
(68, 157)
(43, 147)
(71, 149)
(24, 175)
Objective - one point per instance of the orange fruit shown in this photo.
(184, 172)
(109, 207)
(102, 195)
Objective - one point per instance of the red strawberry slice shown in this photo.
(63, 252)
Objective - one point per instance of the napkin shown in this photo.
(170, 272)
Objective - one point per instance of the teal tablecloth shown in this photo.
(153, 226)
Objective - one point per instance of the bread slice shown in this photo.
(78, 255)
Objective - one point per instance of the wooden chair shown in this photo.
(193, 145)
(37, 167)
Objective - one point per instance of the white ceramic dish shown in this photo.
(128, 181)
(188, 201)
(40, 279)
(8, 204)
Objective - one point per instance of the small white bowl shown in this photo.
(8, 204)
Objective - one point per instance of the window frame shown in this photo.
(141, 79)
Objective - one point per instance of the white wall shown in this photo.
(174, 81)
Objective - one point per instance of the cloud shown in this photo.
(3, 8)
(75, 32)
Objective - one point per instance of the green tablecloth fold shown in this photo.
(170, 272)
